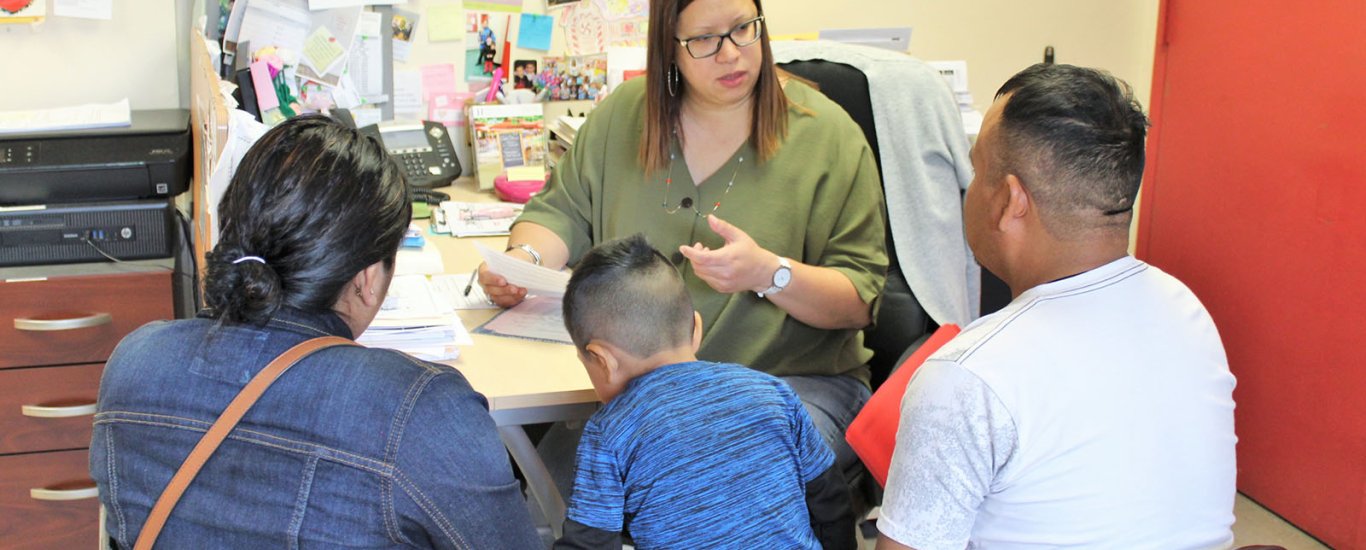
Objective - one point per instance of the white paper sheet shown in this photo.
(535, 279)
(423, 261)
(338, 28)
(329, 4)
(76, 117)
(85, 9)
(407, 95)
(365, 63)
(451, 289)
(280, 23)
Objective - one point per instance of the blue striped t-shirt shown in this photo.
(701, 455)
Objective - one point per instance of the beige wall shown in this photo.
(141, 53)
(998, 37)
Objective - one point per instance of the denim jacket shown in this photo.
(352, 447)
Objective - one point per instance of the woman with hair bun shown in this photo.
(353, 446)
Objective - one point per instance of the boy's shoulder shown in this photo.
(683, 390)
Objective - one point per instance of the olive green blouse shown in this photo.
(817, 201)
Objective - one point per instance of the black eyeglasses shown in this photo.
(707, 45)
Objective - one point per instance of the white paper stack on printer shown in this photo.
(415, 320)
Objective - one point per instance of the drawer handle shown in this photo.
(39, 411)
(63, 324)
(64, 494)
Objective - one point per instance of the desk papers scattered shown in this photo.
(419, 261)
(451, 289)
(536, 318)
(537, 280)
(476, 219)
(415, 319)
(90, 115)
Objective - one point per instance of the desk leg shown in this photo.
(537, 476)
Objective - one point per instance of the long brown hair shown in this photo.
(768, 122)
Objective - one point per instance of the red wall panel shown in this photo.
(1256, 197)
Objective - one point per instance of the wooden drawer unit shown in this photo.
(47, 500)
(77, 319)
(48, 408)
(58, 324)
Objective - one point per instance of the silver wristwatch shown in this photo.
(781, 278)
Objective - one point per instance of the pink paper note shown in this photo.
(437, 79)
(265, 90)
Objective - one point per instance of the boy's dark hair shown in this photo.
(625, 292)
(317, 202)
(1075, 136)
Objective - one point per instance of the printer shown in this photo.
(94, 195)
(148, 159)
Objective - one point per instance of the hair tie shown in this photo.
(256, 259)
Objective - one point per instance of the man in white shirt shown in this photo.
(1094, 411)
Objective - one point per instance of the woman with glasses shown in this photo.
(764, 193)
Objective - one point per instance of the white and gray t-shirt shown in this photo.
(1092, 412)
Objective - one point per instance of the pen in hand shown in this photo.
(470, 285)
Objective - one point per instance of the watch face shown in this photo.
(782, 277)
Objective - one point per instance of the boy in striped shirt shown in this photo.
(686, 453)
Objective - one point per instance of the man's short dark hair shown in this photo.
(625, 292)
(1075, 136)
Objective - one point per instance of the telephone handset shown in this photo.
(422, 148)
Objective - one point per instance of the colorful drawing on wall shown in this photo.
(623, 9)
(585, 31)
(574, 78)
(22, 11)
(628, 32)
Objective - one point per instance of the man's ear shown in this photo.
(603, 356)
(1017, 201)
(696, 331)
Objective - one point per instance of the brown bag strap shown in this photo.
(219, 431)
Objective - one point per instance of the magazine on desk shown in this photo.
(475, 219)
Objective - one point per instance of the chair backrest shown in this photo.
(901, 321)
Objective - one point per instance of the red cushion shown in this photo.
(872, 434)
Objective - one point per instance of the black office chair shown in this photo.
(901, 324)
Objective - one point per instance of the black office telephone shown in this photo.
(422, 148)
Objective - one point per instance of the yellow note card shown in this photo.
(526, 173)
(444, 23)
(321, 50)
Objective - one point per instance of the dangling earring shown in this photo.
(671, 77)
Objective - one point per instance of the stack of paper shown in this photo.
(77, 117)
(414, 320)
(568, 126)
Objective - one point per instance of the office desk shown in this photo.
(525, 381)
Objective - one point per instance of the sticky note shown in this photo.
(534, 32)
(526, 173)
(444, 23)
(321, 50)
